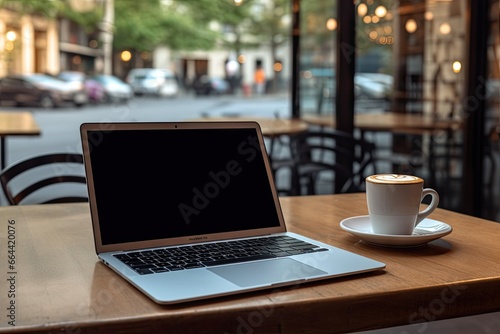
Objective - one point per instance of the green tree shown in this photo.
(139, 25)
(44, 8)
(54, 9)
(143, 25)
(236, 20)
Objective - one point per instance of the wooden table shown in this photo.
(15, 124)
(398, 123)
(388, 121)
(271, 127)
(60, 287)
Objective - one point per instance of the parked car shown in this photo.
(40, 89)
(115, 90)
(152, 81)
(373, 85)
(205, 85)
(79, 80)
(376, 86)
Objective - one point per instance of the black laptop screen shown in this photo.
(155, 184)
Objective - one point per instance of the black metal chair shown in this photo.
(50, 178)
(319, 153)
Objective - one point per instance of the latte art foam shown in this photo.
(394, 179)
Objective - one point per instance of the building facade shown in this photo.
(28, 44)
(35, 44)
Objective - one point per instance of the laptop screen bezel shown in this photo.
(87, 143)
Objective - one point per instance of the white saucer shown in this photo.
(427, 230)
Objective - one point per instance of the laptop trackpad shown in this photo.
(266, 272)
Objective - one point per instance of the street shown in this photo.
(60, 126)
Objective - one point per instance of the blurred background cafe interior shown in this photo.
(439, 59)
(420, 79)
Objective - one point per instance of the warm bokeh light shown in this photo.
(9, 46)
(77, 60)
(125, 56)
(411, 26)
(380, 11)
(362, 9)
(445, 28)
(242, 59)
(375, 19)
(457, 66)
(238, 2)
(367, 19)
(278, 67)
(11, 35)
(373, 34)
(331, 24)
(429, 15)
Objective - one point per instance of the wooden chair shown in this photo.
(51, 178)
(319, 153)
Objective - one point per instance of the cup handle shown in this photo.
(428, 210)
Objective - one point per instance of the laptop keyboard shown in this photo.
(213, 254)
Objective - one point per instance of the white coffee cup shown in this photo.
(394, 203)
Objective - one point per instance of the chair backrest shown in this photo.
(50, 178)
(316, 152)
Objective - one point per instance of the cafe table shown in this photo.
(389, 122)
(399, 123)
(52, 281)
(272, 127)
(14, 123)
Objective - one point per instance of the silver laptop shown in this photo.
(188, 211)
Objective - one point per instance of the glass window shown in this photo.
(411, 57)
(317, 56)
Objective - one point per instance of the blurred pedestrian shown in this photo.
(232, 74)
(259, 80)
